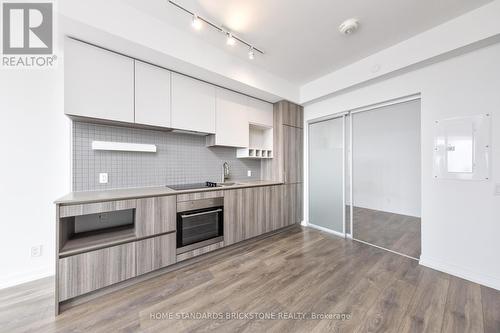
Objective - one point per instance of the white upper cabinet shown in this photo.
(232, 127)
(98, 83)
(102, 84)
(260, 113)
(193, 104)
(152, 95)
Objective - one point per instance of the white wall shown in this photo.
(460, 219)
(386, 158)
(34, 169)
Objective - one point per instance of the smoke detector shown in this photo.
(349, 26)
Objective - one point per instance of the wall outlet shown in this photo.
(103, 178)
(36, 251)
(249, 173)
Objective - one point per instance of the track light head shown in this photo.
(230, 39)
(196, 23)
(251, 53)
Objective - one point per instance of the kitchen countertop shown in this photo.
(74, 198)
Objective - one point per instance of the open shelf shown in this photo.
(97, 239)
(254, 153)
(260, 143)
(78, 234)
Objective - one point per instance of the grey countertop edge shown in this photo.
(74, 198)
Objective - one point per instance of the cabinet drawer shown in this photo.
(155, 253)
(200, 195)
(94, 208)
(90, 271)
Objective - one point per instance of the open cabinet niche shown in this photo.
(87, 232)
(260, 143)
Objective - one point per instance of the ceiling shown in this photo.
(300, 38)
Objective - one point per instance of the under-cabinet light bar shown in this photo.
(123, 146)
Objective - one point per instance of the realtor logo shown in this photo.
(27, 29)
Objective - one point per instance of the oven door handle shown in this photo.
(202, 213)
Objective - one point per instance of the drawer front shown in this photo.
(90, 271)
(94, 208)
(199, 195)
(155, 253)
(199, 251)
(155, 216)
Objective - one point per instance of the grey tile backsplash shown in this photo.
(180, 158)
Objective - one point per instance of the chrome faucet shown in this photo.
(225, 172)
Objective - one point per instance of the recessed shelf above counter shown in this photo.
(254, 153)
(260, 140)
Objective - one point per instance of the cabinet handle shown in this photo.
(202, 213)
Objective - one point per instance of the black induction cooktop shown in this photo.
(193, 186)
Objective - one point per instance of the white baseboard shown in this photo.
(461, 272)
(20, 278)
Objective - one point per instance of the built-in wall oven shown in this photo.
(199, 223)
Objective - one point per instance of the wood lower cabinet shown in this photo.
(155, 215)
(155, 253)
(245, 214)
(248, 212)
(254, 211)
(90, 271)
(292, 204)
(233, 216)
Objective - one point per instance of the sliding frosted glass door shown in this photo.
(386, 177)
(326, 175)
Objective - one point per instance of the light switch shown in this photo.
(249, 173)
(36, 251)
(103, 178)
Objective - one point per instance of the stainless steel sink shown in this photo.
(227, 184)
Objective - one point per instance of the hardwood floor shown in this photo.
(299, 270)
(399, 233)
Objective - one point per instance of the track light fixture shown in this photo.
(198, 22)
